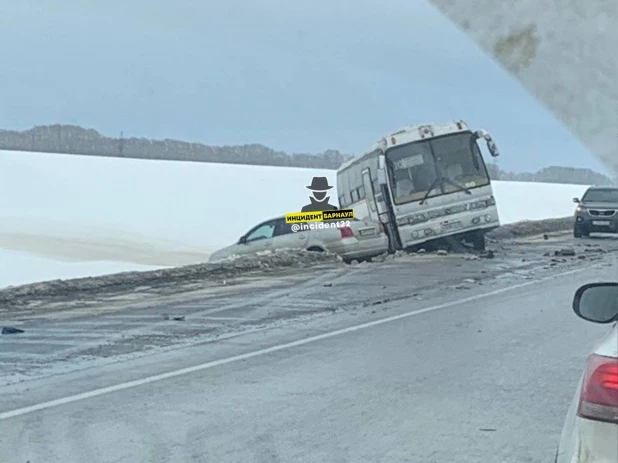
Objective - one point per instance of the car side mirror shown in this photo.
(242, 240)
(597, 302)
(576, 200)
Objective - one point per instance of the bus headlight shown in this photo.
(478, 205)
(476, 220)
(488, 218)
(419, 218)
(428, 231)
(415, 234)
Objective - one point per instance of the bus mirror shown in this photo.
(381, 176)
(491, 144)
(493, 149)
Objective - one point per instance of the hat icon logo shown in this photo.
(319, 199)
(319, 184)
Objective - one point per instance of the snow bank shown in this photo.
(535, 201)
(86, 216)
(20, 268)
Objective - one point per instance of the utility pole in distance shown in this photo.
(121, 144)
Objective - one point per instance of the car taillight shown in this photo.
(346, 232)
(599, 395)
(381, 226)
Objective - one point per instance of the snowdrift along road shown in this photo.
(66, 216)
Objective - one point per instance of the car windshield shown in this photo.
(417, 167)
(602, 195)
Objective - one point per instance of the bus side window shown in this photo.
(354, 195)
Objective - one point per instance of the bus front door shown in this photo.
(377, 205)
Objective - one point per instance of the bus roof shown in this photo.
(409, 134)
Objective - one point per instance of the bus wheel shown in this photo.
(478, 241)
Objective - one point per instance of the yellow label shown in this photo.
(299, 217)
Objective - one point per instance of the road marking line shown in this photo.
(268, 350)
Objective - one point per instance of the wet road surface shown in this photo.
(483, 373)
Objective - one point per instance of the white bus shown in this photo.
(424, 182)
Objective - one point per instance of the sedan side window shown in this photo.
(262, 232)
(283, 228)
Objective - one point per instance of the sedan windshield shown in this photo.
(444, 165)
(602, 195)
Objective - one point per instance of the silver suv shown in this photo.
(596, 212)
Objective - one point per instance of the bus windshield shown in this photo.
(445, 164)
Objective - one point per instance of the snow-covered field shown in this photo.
(64, 216)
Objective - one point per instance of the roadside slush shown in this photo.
(73, 329)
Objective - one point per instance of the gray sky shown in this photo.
(299, 77)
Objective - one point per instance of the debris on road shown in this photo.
(442, 252)
(371, 303)
(594, 250)
(11, 330)
(564, 252)
(179, 319)
(328, 285)
(489, 254)
(166, 316)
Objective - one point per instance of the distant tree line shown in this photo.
(71, 139)
(553, 174)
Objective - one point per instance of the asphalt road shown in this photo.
(480, 375)
(84, 330)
